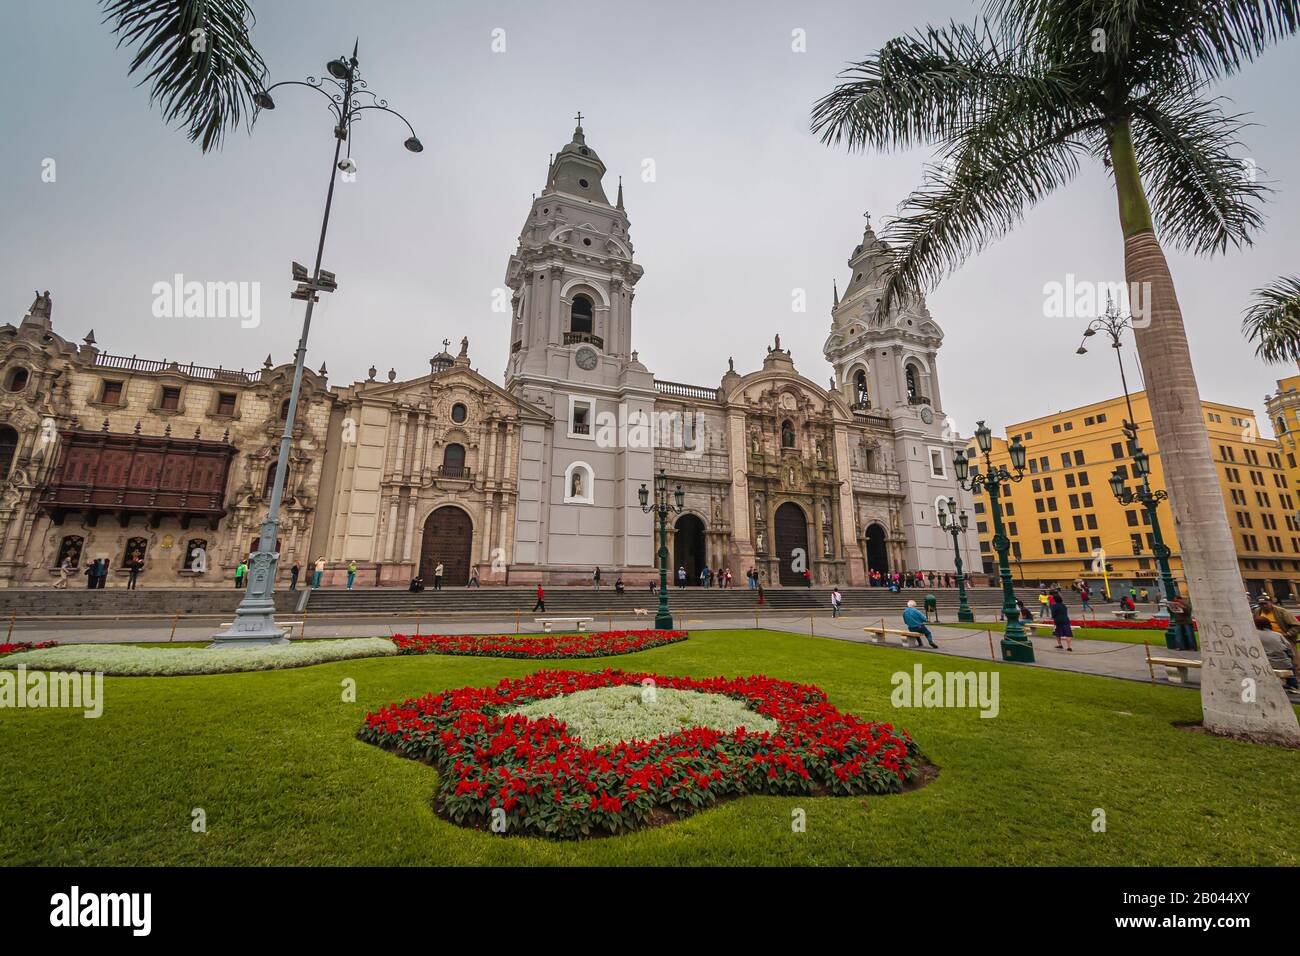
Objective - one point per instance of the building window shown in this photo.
(284, 410)
(579, 484)
(70, 548)
(196, 555)
(112, 393)
(459, 413)
(16, 380)
(269, 483)
(225, 403)
(787, 434)
(936, 464)
(1116, 450)
(580, 315)
(170, 400)
(8, 448)
(453, 461)
(135, 550)
(581, 412)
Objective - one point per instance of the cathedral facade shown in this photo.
(533, 480)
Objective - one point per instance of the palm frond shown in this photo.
(1273, 321)
(916, 89)
(204, 80)
(1202, 196)
(992, 184)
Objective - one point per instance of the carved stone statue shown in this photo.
(42, 305)
(577, 484)
(464, 347)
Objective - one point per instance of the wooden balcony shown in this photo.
(129, 475)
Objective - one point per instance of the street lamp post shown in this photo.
(1114, 324)
(1150, 499)
(662, 506)
(955, 527)
(1015, 644)
(254, 622)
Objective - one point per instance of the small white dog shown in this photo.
(640, 611)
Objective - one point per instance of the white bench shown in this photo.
(880, 635)
(1126, 615)
(1177, 669)
(580, 622)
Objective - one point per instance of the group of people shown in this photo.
(709, 578)
(897, 580)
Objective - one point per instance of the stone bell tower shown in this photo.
(888, 366)
(572, 278)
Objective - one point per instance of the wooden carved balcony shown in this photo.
(128, 475)
(456, 472)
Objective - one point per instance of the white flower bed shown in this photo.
(607, 715)
(121, 660)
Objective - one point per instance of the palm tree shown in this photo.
(1014, 104)
(1273, 321)
(198, 58)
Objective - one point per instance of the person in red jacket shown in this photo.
(541, 600)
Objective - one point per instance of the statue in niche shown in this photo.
(577, 485)
(790, 476)
(717, 512)
(761, 547)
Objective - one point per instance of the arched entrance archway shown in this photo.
(448, 539)
(791, 536)
(688, 549)
(877, 552)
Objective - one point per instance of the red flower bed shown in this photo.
(25, 646)
(1151, 624)
(542, 647)
(500, 769)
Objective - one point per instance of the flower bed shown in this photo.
(123, 661)
(518, 774)
(1150, 624)
(19, 646)
(540, 647)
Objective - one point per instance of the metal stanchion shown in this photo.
(176, 617)
(12, 618)
(517, 614)
(302, 631)
(417, 623)
(990, 636)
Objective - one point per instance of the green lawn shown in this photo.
(1123, 635)
(272, 759)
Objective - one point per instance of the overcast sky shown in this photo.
(747, 206)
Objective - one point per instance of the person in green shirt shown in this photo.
(932, 607)
(352, 573)
(241, 573)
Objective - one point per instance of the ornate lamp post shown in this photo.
(255, 619)
(1015, 645)
(1150, 499)
(955, 527)
(663, 619)
(1114, 324)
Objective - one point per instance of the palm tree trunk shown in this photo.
(1240, 695)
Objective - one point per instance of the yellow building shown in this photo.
(1284, 413)
(1065, 524)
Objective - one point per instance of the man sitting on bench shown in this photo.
(914, 620)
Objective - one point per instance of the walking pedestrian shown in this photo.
(541, 600)
(595, 578)
(293, 576)
(241, 569)
(1085, 599)
(1061, 622)
(437, 577)
(914, 621)
(134, 567)
(473, 578)
(319, 572)
(1044, 612)
(681, 578)
(65, 568)
(352, 573)
(931, 607)
(837, 600)
(92, 575)
(103, 574)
